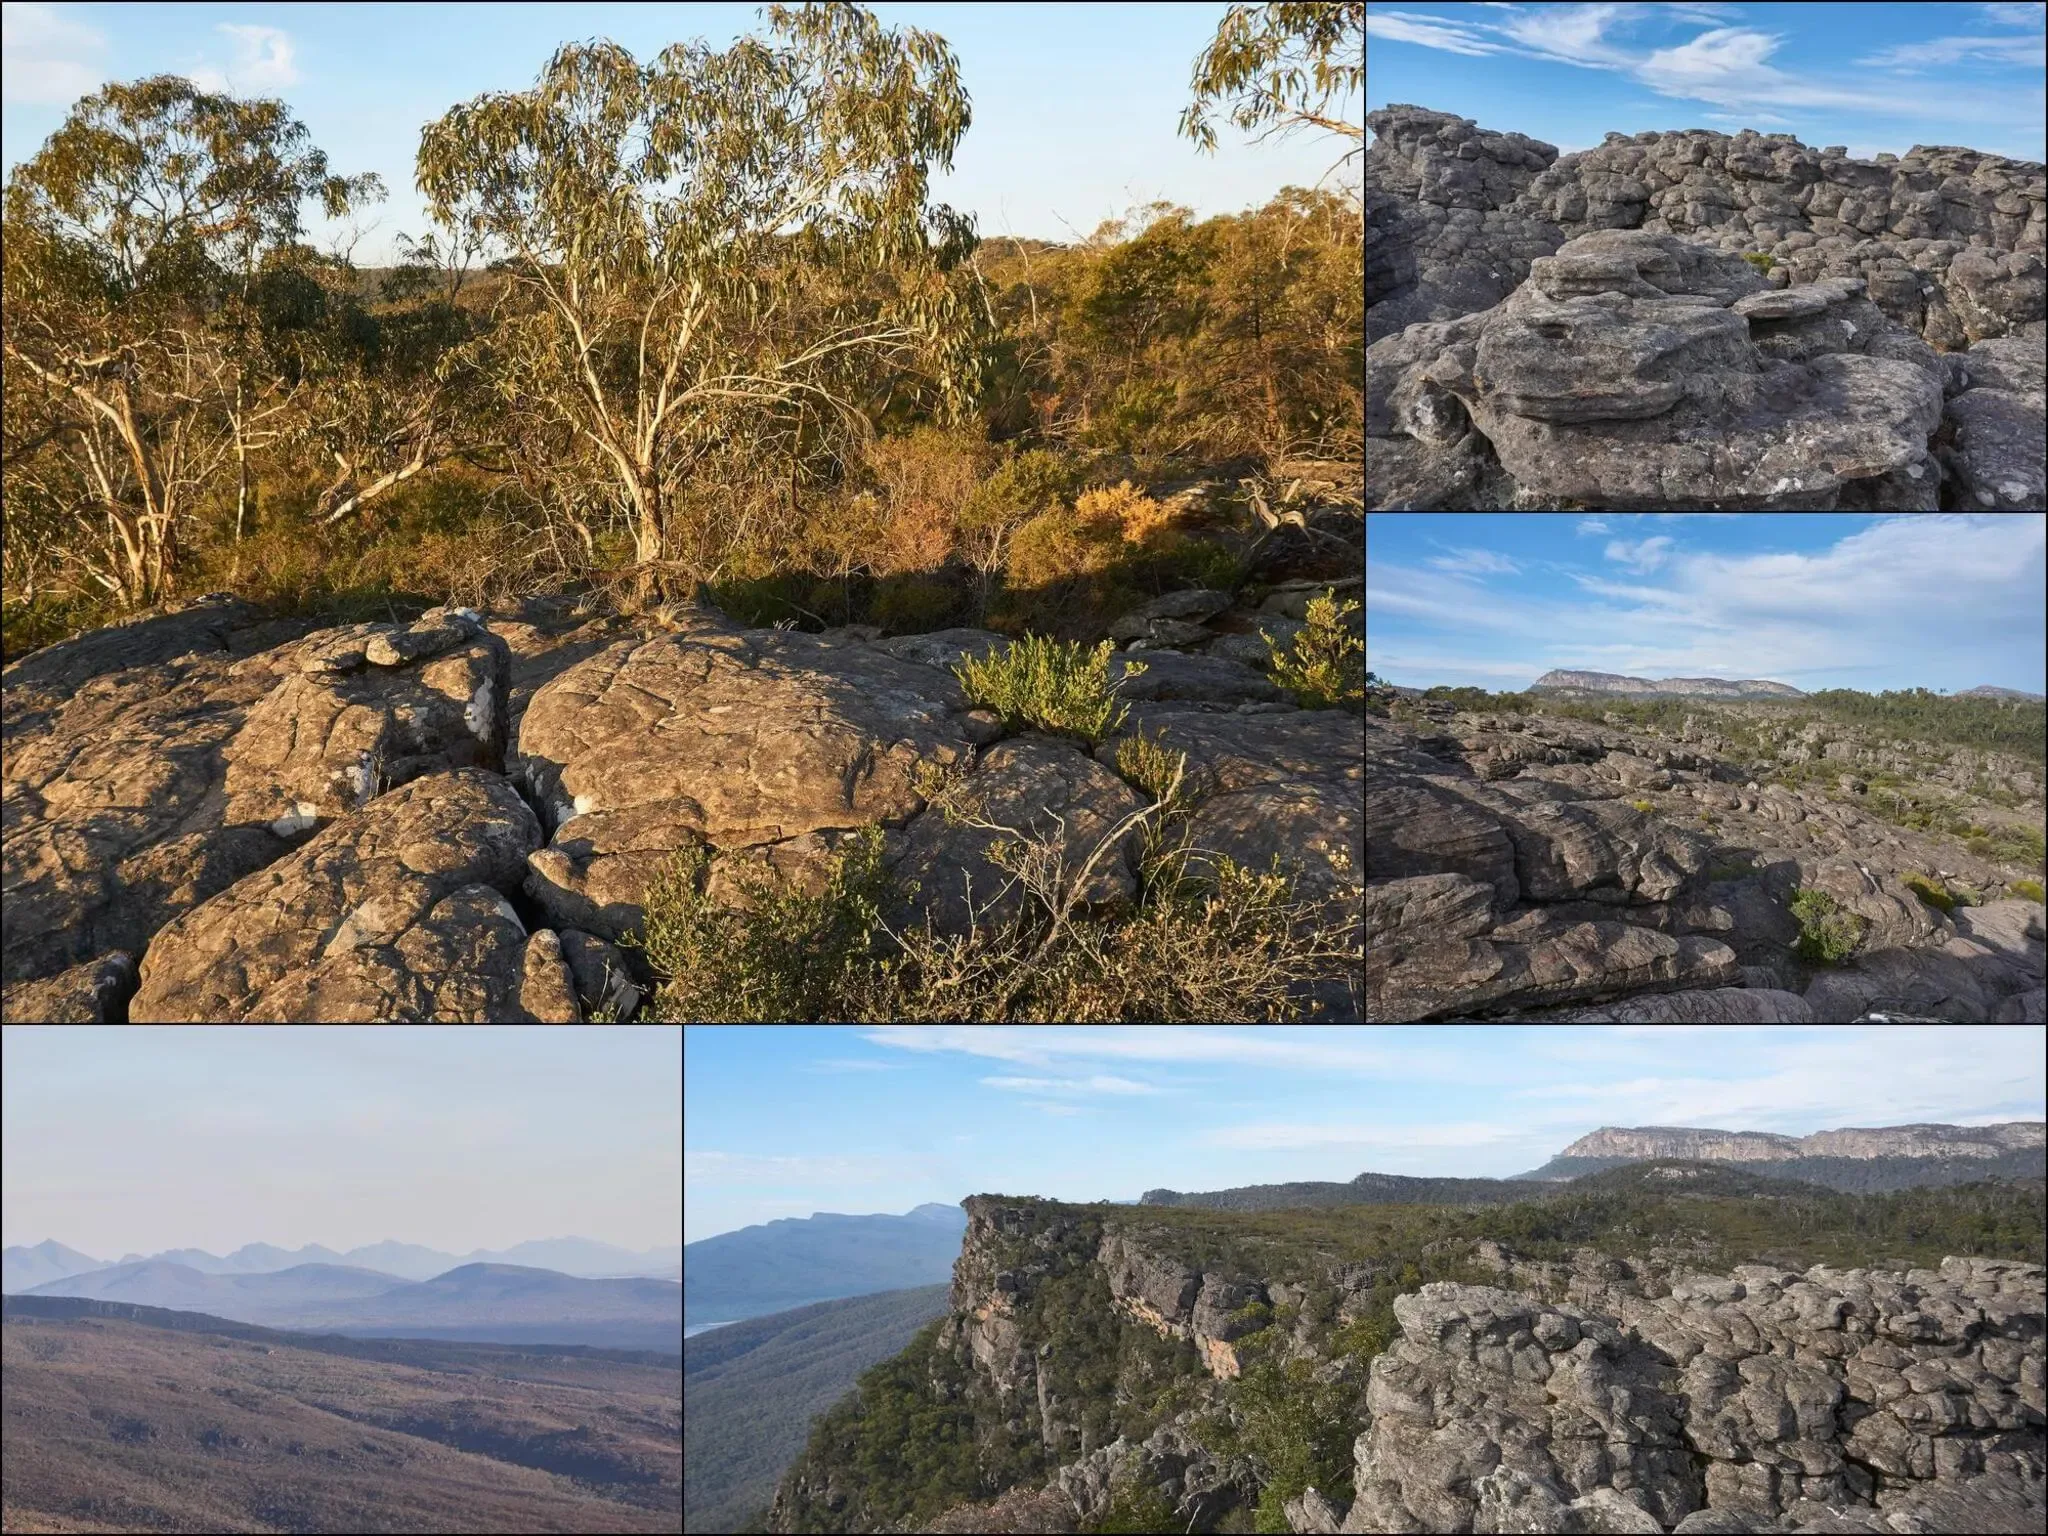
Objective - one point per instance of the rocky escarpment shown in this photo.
(1607, 1396)
(1587, 335)
(1703, 687)
(1517, 864)
(1962, 1141)
(457, 817)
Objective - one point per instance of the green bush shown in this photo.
(1146, 763)
(1325, 667)
(1827, 935)
(782, 955)
(1642, 805)
(2027, 890)
(1136, 1508)
(1051, 684)
(1929, 890)
(1763, 261)
(914, 603)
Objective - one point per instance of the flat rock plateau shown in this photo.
(216, 816)
(1533, 866)
(1699, 321)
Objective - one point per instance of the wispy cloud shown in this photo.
(46, 60)
(264, 60)
(1479, 562)
(1430, 32)
(1642, 555)
(1588, 525)
(1935, 51)
(1045, 1045)
(1100, 1083)
(1047, 1107)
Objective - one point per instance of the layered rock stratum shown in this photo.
(1698, 687)
(1584, 332)
(1960, 1141)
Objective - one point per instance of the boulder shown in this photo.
(93, 993)
(397, 911)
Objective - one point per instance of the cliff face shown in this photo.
(1660, 1141)
(1709, 687)
(1771, 1401)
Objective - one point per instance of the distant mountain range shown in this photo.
(504, 1303)
(1703, 687)
(22, 1269)
(1851, 1160)
(796, 1261)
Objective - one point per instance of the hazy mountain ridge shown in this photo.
(1917, 1140)
(22, 1269)
(1366, 1189)
(475, 1301)
(798, 1260)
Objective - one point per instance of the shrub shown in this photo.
(1136, 1507)
(1145, 762)
(1325, 667)
(783, 955)
(2026, 890)
(1642, 805)
(1138, 517)
(913, 603)
(1929, 890)
(1064, 542)
(1826, 933)
(929, 478)
(1051, 684)
(1763, 261)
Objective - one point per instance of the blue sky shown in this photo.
(121, 1140)
(1075, 105)
(1871, 77)
(1817, 600)
(792, 1121)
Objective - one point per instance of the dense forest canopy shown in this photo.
(694, 320)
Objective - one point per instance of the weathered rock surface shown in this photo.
(397, 911)
(1511, 322)
(1764, 1401)
(86, 994)
(1511, 873)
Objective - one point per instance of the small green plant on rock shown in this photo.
(1642, 805)
(1325, 667)
(1763, 261)
(2026, 890)
(1827, 935)
(1051, 684)
(1929, 890)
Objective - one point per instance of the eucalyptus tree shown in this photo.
(716, 251)
(128, 238)
(1281, 68)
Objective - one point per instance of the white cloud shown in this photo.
(1430, 32)
(1046, 1107)
(1479, 562)
(1642, 555)
(1591, 525)
(46, 60)
(2032, 14)
(1100, 1083)
(264, 60)
(1324, 1049)
(1955, 50)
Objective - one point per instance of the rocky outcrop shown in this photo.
(1704, 687)
(1656, 1141)
(1546, 868)
(1592, 350)
(1760, 1401)
(169, 787)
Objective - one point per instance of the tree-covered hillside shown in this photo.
(1366, 1189)
(750, 1391)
